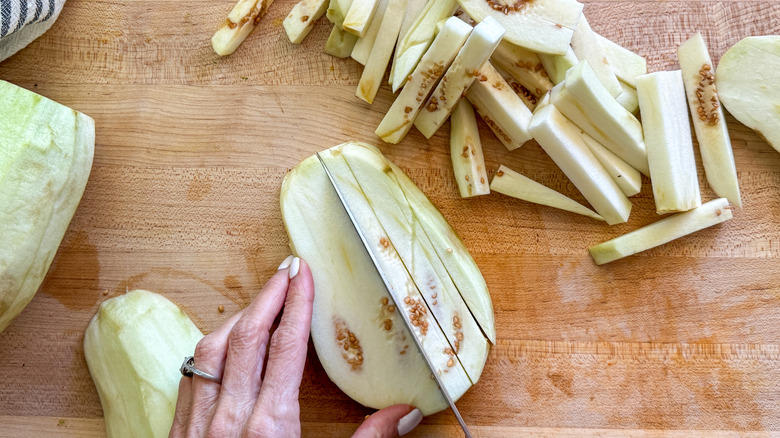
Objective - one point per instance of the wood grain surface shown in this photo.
(191, 149)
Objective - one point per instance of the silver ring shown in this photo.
(188, 369)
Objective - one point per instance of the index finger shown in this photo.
(287, 351)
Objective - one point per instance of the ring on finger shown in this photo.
(188, 369)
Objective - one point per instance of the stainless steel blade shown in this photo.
(398, 305)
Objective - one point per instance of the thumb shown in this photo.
(390, 422)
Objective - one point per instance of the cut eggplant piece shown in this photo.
(340, 42)
(708, 120)
(546, 100)
(337, 10)
(664, 109)
(586, 47)
(379, 366)
(459, 77)
(583, 99)
(747, 80)
(523, 65)
(418, 38)
(628, 99)
(626, 64)
(240, 22)
(544, 26)
(376, 65)
(500, 107)
(556, 66)
(627, 178)
(563, 143)
(468, 163)
(529, 99)
(363, 46)
(301, 19)
(511, 183)
(414, 8)
(400, 117)
(663, 231)
(359, 17)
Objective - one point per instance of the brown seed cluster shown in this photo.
(387, 309)
(529, 65)
(352, 353)
(418, 314)
(456, 324)
(497, 129)
(433, 104)
(707, 96)
(506, 9)
(524, 92)
(257, 12)
(477, 74)
(384, 242)
(451, 361)
(430, 75)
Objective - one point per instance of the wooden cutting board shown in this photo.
(183, 200)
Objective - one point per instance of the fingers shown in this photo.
(183, 404)
(246, 351)
(391, 421)
(287, 355)
(210, 358)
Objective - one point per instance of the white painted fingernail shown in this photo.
(286, 263)
(294, 267)
(409, 422)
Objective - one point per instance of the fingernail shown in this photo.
(286, 263)
(294, 267)
(409, 422)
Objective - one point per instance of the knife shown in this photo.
(398, 305)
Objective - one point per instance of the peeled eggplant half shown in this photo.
(134, 346)
(46, 154)
(747, 79)
(357, 330)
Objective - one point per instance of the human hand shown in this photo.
(259, 398)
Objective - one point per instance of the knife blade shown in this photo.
(404, 316)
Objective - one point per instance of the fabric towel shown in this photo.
(22, 21)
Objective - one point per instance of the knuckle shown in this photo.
(207, 348)
(247, 334)
(220, 427)
(277, 424)
(288, 342)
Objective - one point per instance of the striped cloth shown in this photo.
(21, 21)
